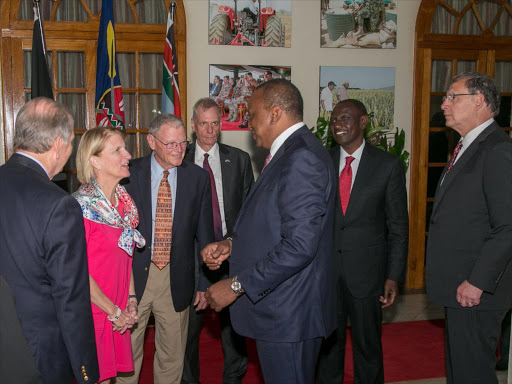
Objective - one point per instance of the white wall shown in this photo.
(305, 57)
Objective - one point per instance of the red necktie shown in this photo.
(454, 156)
(346, 183)
(217, 219)
(267, 160)
(163, 224)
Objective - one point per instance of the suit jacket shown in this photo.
(17, 364)
(282, 244)
(470, 234)
(215, 89)
(237, 179)
(192, 220)
(44, 261)
(371, 239)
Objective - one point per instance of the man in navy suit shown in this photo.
(282, 287)
(371, 231)
(166, 289)
(231, 179)
(470, 235)
(43, 256)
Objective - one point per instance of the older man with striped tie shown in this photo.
(174, 200)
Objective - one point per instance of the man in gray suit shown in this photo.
(470, 235)
(231, 178)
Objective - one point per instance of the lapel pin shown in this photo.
(227, 161)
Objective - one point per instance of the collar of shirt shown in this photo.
(472, 135)
(34, 159)
(213, 154)
(283, 136)
(358, 153)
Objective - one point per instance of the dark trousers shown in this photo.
(233, 346)
(471, 341)
(365, 318)
(505, 341)
(289, 363)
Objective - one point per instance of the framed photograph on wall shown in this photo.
(373, 86)
(231, 86)
(260, 23)
(358, 23)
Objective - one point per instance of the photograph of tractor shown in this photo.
(252, 25)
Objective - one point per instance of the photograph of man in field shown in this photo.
(358, 23)
(373, 86)
(261, 23)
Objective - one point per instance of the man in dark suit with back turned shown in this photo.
(43, 256)
(370, 244)
(470, 236)
(231, 178)
(175, 209)
(282, 287)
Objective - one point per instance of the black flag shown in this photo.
(41, 83)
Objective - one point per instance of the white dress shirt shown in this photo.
(214, 161)
(355, 163)
(33, 158)
(282, 138)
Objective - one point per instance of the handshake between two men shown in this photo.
(220, 294)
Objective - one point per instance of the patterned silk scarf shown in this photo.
(96, 207)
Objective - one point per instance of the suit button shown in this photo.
(146, 269)
(86, 378)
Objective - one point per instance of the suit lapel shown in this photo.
(144, 186)
(273, 163)
(226, 169)
(459, 165)
(362, 176)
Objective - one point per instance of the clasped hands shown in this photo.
(220, 294)
(127, 319)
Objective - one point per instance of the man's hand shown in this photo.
(468, 295)
(220, 295)
(215, 253)
(200, 301)
(390, 293)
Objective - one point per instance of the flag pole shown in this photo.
(36, 4)
(173, 10)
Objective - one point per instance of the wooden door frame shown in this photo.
(427, 46)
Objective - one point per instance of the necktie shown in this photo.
(163, 224)
(217, 220)
(267, 160)
(346, 183)
(454, 156)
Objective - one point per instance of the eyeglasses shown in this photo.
(173, 145)
(452, 96)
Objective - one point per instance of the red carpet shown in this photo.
(412, 351)
(231, 126)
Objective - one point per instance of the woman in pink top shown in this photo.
(110, 219)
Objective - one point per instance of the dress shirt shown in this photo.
(214, 161)
(471, 136)
(33, 158)
(326, 96)
(358, 153)
(282, 138)
(157, 172)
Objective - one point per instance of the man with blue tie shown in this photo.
(281, 288)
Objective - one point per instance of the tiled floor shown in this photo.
(417, 307)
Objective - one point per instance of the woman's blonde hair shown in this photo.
(91, 144)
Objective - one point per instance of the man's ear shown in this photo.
(275, 114)
(363, 121)
(151, 141)
(480, 101)
(58, 146)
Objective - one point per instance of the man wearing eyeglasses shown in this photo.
(468, 268)
(173, 196)
(231, 179)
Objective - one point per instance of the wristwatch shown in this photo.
(236, 286)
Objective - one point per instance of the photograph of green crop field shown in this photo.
(379, 102)
(372, 86)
